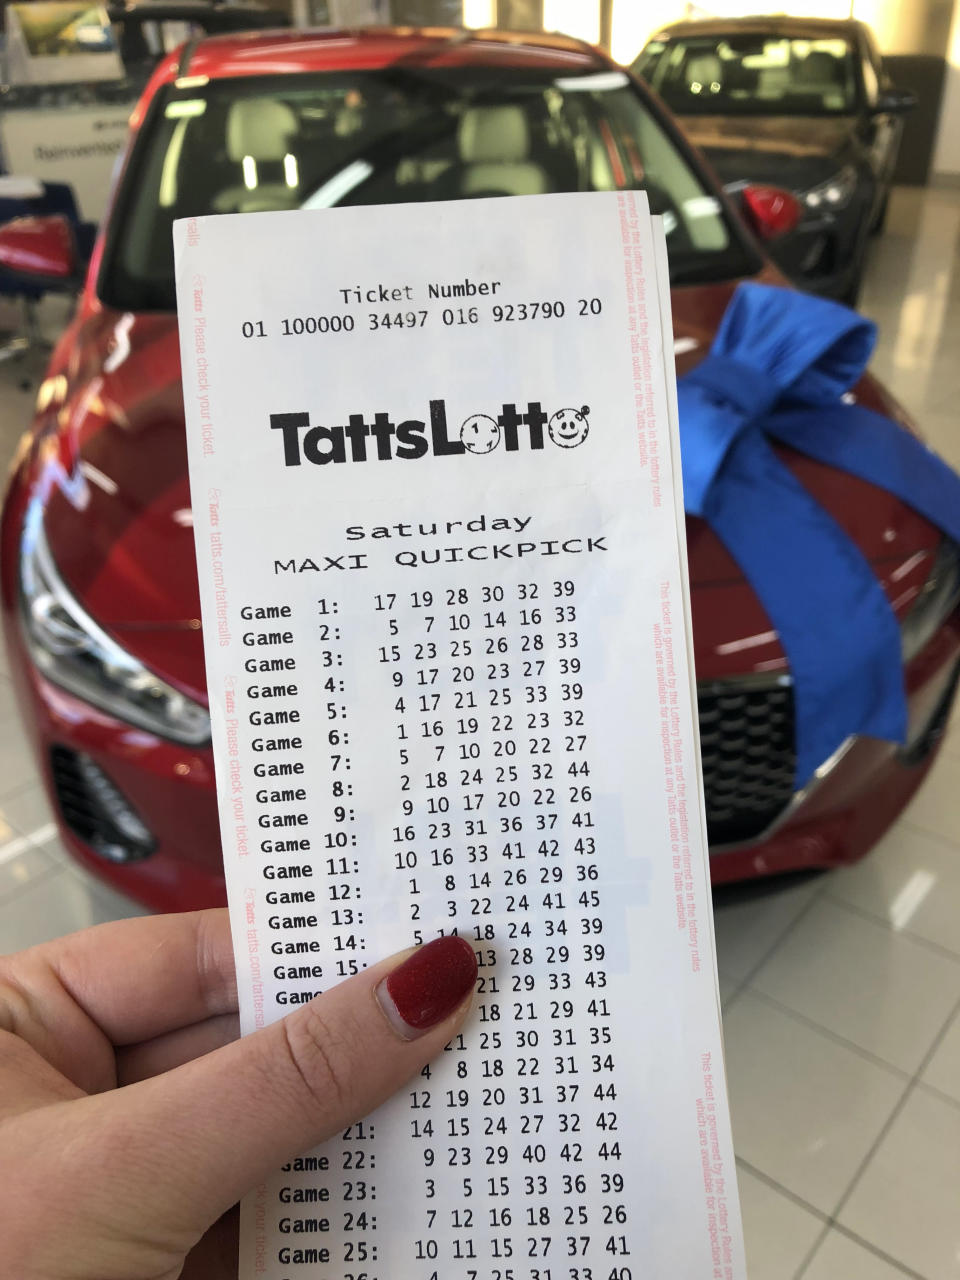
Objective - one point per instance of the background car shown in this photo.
(100, 600)
(145, 33)
(800, 103)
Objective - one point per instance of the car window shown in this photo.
(317, 140)
(752, 74)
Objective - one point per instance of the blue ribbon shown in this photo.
(778, 367)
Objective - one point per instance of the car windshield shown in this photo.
(380, 137)
(751, 74)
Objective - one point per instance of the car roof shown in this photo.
(772, 24)
(370, 48)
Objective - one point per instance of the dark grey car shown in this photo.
(797, 103)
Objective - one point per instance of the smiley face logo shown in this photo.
(479, 434)
(569, 427)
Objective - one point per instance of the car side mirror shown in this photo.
(770, 211)
(41, 250)
(895, 102)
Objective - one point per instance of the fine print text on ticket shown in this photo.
(435, 484)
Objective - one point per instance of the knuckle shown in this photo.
(323, 1056)
(216, 972)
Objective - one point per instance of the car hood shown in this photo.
(118, 516)
(119, 521)
(793, 153)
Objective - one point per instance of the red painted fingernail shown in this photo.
(428, 986)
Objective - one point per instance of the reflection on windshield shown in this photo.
(398, 135)
(751, 74)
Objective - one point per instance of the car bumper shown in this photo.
(824, 254)
(854, 797)
(170, 790)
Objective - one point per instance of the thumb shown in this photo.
(182, 1147)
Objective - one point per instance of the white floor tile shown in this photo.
(912, 881)
(57, 853)
(934, 808)
(17, 768)
(747, 928)
(59, 904)
(8, 702)
(939, 428)
(840, 1258)
(778, 1232)
(21, 864)
(27, 811)
(805, 1109)
(943, 1070)
(885, 992)
(911, 287)
(906, 1203)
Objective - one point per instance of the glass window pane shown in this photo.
(755, 74)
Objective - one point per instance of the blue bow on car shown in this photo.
(778, 370)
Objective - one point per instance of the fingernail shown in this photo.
(428, 986)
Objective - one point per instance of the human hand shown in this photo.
(132, 1118)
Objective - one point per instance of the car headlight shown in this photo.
(937, 600)
(70, 649)
(835, 193)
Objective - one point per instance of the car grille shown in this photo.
(95, 811)
(747, 749)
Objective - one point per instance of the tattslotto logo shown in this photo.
(383, 440)
(567, 428)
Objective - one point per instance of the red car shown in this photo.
(99, 588)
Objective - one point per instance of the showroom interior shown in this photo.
(829, 136)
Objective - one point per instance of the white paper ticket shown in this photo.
(433, 459)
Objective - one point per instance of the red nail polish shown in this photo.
(428, 986)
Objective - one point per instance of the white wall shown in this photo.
(479, 13)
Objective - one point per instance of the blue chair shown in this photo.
(55, 198)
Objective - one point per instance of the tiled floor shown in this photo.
(841, 992)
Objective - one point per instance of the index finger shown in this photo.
(137, 979)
